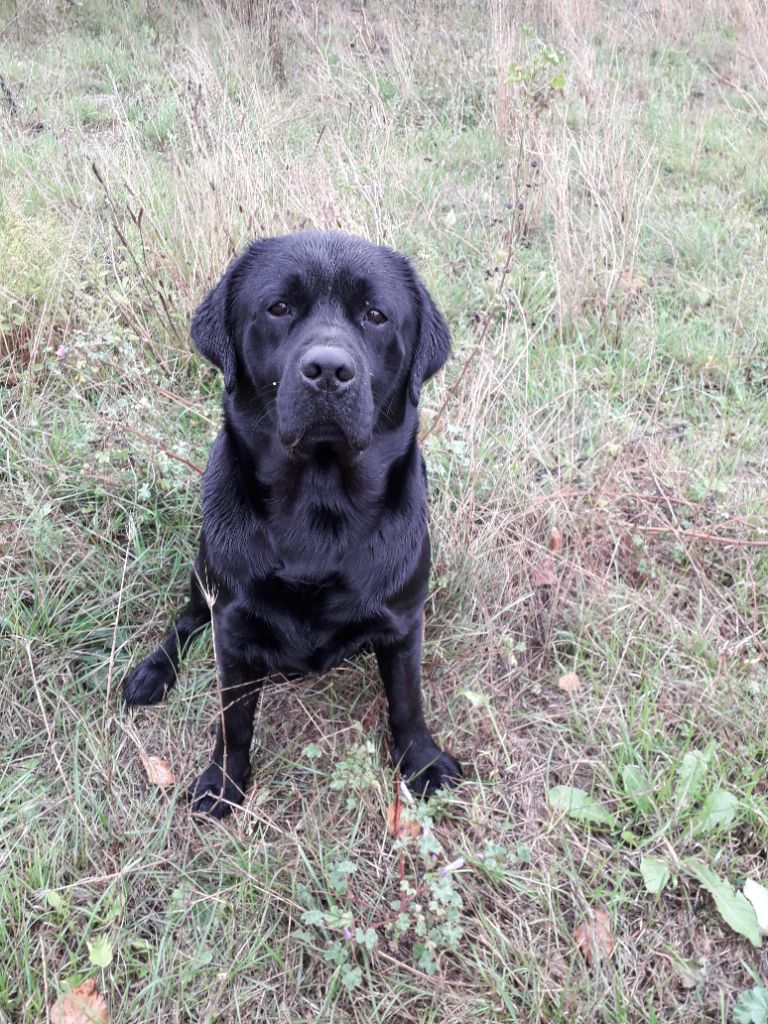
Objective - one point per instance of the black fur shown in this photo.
(314, 542)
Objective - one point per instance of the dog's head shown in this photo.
(325, 336)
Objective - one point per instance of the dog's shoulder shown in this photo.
(234, 540)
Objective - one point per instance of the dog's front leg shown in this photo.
(152, 678)
(222, 784)
(423, 765)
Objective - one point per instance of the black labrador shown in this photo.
(314, 542)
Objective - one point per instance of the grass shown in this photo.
(600, 252)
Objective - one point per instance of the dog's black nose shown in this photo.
(328, 367)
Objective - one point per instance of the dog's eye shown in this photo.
(279, 309)
(375, 317)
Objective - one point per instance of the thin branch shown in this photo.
(161, 447)
(485, 324)
(700, 535)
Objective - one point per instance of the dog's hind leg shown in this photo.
(149, 682)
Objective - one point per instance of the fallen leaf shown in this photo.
(758, 896)
(558, 965)
(158, 771)
(555, 539)
(569, 682)
(594, 937)
(81, 1005)
(544, 574)
(399, 825)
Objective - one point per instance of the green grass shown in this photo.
(612, 384)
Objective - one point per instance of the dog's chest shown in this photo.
(310, 579)
(308, 625)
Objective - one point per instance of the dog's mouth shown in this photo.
(323, 439)
(318, 433)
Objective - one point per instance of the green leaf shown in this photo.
(516, 73)
(578, 804)
(758, 896)
(558, 82)
(367, 938)
(476, 699)
(734, 908)
(718, 811)
(338, 875)
(114, 911)
(55, 899)
(311, 917)
(637, 786)
(100, 952)
(335, 917)
(752, 1006)
(655, 874)
(693, 768)
(351, 977)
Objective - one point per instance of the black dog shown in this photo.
(314, 542)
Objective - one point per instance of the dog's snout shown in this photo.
(327, 366)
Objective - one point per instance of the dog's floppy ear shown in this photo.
(210, 329)
(433, 344)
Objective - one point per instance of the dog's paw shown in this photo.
(426, 771)
(214, 796)
(150, 680)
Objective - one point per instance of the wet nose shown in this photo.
(328, 367)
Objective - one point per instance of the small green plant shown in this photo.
(537, 82)
(355, 772)
(752, 1006)
(542, 73)
(426, 913)
(343, 944)
(695, 810)
(430, 905)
